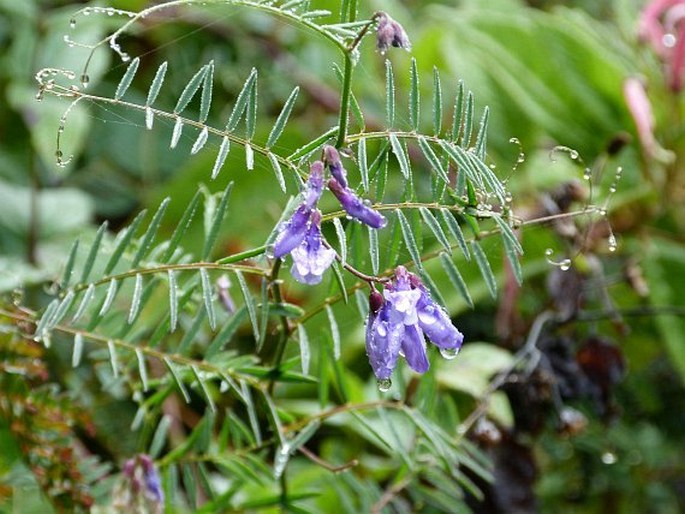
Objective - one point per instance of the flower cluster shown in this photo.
(141, 486)
(301, 235)
(390, 33)
(398, 320)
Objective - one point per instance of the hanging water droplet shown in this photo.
(573, 154)
(514, 140)
(611, 242)
(565, 265)
(549, 252)
(72, 23)
(609, 458)
(449, 353)
(85, 80)
(587, 174)
(269, 251)
(669, 40)
(86, 11)
(384, 384)
(508, 198)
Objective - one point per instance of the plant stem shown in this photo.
(285, 326)
(346, 86)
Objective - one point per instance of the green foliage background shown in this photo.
(551, 75)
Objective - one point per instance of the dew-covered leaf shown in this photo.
(409, 239)
(485, 269)
(282, 119)
(126, 80)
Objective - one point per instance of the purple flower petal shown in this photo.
(332, 159)
(414, 349)
(383, 342)
(355, 207)
(437, 325)
(293, 232)
(314, 186)
(390, 33)
(311, 258)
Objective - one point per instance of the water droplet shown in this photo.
(669, 40)
(85, 80)
(549, 252)
(86, 11)
(72, 23)
(39, 95)
(514, 140)
(609, 458)
(587, 175)
(612, 243)
(573, 154)
(508, 198)
(449, 353)
(384, 384)
(565, 265)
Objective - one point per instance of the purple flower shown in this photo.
(332, 159)
(153, 485)
(355, 207)
(390, 33)
(314, 186)
(293, 232)
(398, 325)
(311, 258)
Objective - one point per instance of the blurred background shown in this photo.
(598, 426)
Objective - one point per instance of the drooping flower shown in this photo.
(331, 158)
(295, 229)
(141, 485)
(355, 206)
(398, 322)
(311, 258)
(293, 232)
(390, 33)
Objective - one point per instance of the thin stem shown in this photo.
(285, 325)
(174, 267)
(346, 86)
(327, 465)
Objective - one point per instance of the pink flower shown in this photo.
(661, 24)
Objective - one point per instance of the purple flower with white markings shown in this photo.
(355, 206)
(390, 33)
(311, 258)
(294, 230)
(397, 325)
